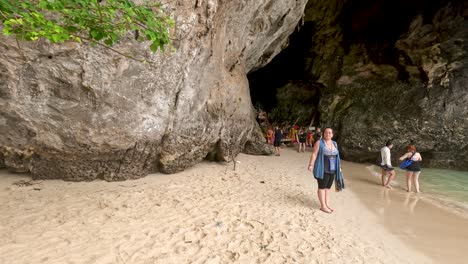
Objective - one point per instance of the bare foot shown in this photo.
(331, 209)
(388, 186)
(326, 210)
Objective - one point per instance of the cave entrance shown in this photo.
(283, 90)
(287, 88)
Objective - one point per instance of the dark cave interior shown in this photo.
(376, 24)
(287, 66)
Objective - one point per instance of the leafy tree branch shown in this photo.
(104, 22)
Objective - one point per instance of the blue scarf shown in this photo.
(319, 167)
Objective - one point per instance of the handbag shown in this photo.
(407, 162)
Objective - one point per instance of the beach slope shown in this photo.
(266, 211)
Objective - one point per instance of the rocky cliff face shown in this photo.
(79, 113)
(411, 88)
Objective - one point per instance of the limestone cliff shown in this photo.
(75, 112)
(409, 88)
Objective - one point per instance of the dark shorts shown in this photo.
(415, 166)
(386, 168)
(327, 181)
(277, 143)
(302, 140)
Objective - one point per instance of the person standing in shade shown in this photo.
(277, 143)
(318, 134)
(326, 166)
(413, 170)
(386, 165)
(302, 135)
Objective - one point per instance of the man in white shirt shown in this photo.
(386, 164)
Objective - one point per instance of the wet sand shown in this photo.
(264, 212)
(416, 219)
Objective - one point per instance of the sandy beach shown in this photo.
(266, 211)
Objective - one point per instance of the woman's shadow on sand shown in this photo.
(301, 200)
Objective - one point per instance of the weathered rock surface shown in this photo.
(296, 103)
(79, 113)
(420, 96)
(2, 161)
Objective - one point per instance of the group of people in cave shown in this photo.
(304, 137)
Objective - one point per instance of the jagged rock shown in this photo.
(2, 161)
(371, 103)
(16, 160)
(381, 78)
(257, 146)
(89, 113)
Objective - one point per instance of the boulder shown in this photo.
(86, 113)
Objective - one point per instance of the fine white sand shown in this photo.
(264, 212)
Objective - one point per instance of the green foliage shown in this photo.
(96, 21)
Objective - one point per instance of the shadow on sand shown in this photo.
(301, 200)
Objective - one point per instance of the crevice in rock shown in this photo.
(2, 161)
(215, 154)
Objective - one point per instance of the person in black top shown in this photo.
(317, 135)
(278, 137)
(302, 135)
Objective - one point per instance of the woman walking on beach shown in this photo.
(326, 165)
(413, 170)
